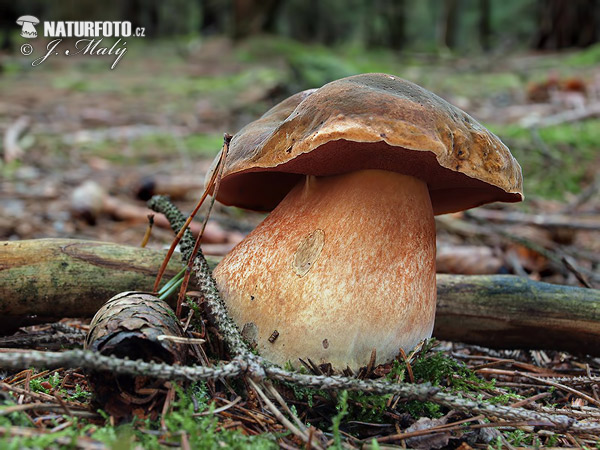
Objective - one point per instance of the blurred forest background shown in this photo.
(417, 25)
(84, 145)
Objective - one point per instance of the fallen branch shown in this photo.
(550, 254)
(46, 279)
(582, 222)
(504, 311)
(55, 278)
(571, 115)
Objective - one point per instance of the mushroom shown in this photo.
(354, 173)
(28, 22)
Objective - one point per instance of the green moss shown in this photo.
(204, 144)
(342, 408)
(53, 379)
(302, 393)
(557, 161)
(505, 399)
(588, 57)
(147, 147)
(202, 431)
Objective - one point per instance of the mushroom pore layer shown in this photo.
(345, 264)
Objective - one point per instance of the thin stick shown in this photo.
(179, 235)
(561, 387)
(40, 406)
(259, 369)
(275, 393)
(196, 249)
(148, 231)
(284, 421)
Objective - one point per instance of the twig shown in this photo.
(148, 232)
(84, 412)
(581, 222)
(162, 204)
(571, 265)
(420, 392)
(562, 387)
(589, 192)
(530, 399)
(548, 254)
(221, 409)
(92, 360)
(289, 425)
(196, 248)
(183, 229)
(29, 340)
(275, 393)
(571, 115)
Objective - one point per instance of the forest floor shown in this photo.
(89, 144)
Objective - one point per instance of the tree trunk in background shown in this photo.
(214, 16)
(448, 23)
(566, 23)
(485, 28)
(394, 15)
(252, 17)
(386, 24)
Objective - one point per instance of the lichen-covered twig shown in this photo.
(91, 360)
(426, 392)
(205, 281)
(162, 204)
(422, 392)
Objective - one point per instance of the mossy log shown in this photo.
(42, 280)
(47, 279)
(506, 311)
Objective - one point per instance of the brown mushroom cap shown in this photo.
(370, 121)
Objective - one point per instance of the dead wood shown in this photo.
(581, 221)
(504, 311)
(46, 279)
(41, 280)
(89, 201)
(568, 116)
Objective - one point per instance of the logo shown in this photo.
(28, 23)
(90, 35)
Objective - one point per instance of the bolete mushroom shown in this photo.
(28, 22)
(355, 171)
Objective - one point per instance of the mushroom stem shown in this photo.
(344, 265)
